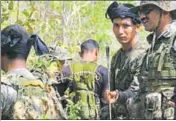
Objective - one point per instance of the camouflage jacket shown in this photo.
(9, 92)
(125, 67)
(8, 97)
(23, 86)
(152, 67)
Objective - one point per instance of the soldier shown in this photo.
(87, 81)
(125, 64)
(50, 67)
(24, 96)
(158, 71)
(62, 58)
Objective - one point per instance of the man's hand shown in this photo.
(171, 104)
(111, 96)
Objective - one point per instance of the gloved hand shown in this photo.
(111, 96)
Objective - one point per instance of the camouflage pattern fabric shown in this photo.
(35, 100)
(157, 79)
(149, 106)
(166, 5)
(8, 97)
(49, 65)
(59, 53)
(125, 67)
(136, 107)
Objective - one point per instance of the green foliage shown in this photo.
(73, 110)
(64, 23)
(45, 117)
(40, 62)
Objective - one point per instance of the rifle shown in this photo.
(108, 65)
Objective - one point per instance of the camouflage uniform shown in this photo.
(48, 67)
(8, 97)
(26, 97)
(157, 75)
(125, 67)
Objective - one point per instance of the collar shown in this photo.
(130, 48)
(22, 72)
(165, 34)
(84, 61)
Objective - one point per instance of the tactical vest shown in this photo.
(160, 73)
(35, 100)
(84, 77)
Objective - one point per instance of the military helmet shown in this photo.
(166, 5)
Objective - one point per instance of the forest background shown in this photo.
(66, 23)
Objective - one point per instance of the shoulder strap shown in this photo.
(81, 66)
(161, 60)
(26, 82)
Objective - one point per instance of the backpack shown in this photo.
(83, 79)
(35, 99)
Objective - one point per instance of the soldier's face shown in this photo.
(124, 30)
(149, 16)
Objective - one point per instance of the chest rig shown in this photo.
(160, 73)
(84, 77)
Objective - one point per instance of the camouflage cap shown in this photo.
(168, 5)
(60, 53)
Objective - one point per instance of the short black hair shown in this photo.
(89, 45)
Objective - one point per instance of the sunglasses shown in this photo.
(145, 10)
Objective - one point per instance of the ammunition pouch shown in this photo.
(156, 105)
(159, 85)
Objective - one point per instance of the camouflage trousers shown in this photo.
(151, 106)
(119, 111)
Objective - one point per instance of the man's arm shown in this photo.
(63, 80)
(104, 82)
(133, 71)
(8, 98)
(103, 86)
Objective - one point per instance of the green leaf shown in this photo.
(31, 20)
(5, 18)
(10, 5)
(30, 30)
(19, 22)
(3, 9)
(26, 13)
